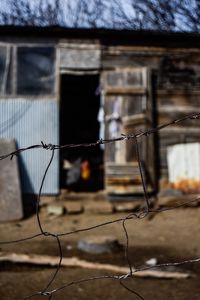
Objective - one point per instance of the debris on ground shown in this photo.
(99, 244)
(55, 210)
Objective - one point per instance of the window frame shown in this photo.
(14, 61)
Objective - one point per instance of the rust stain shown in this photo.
(187, 185)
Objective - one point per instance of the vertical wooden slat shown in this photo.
(127, 90)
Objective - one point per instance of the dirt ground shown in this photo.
(169, 236)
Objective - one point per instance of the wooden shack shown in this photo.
(78, 85)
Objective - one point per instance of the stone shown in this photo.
(73, 207)
(99, 244)
(151, 262)
(56, 210)
(10, 190)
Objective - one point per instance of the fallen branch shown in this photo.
(46, 260)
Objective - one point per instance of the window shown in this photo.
(5, 69)
(35, 70)
(27, 70)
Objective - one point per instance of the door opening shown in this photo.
(82, 167)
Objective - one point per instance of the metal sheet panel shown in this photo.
(30, 122)
(183, 166)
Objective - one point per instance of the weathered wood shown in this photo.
(120, 50)
(76, 262)
(167, 116)
(130, 111)
(134, 122)
(179, 100)
(73, 58)
(125, 90)
(125, 78)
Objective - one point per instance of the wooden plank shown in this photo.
(167, 117)
(177, 92)
(79, 58)
(150, 51)
(110, 90)
(121, 168)
(10, 192)
(126, 103)
(125, 77)
(123, 180)
(129, 189)
(131, 123)
(179, 109)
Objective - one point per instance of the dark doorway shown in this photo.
(82, 167)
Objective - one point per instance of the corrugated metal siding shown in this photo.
(183, 166)
(30, 122)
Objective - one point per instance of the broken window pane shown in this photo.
(35, 70)
(4, 69)
(9, 71)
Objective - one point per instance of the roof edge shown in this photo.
(107, 36)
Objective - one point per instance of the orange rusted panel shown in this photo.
(187, 185)
(184, 167)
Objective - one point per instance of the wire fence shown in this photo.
(142, 213)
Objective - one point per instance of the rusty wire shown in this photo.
(140, 214)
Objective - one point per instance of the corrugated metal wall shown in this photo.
(30, 122)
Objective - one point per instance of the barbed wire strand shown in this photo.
(140, 214)
(102, 141)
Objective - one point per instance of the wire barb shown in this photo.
(140, 214)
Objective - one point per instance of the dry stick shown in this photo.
(75, 262)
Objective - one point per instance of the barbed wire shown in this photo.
(139, 214)
(123, 137)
